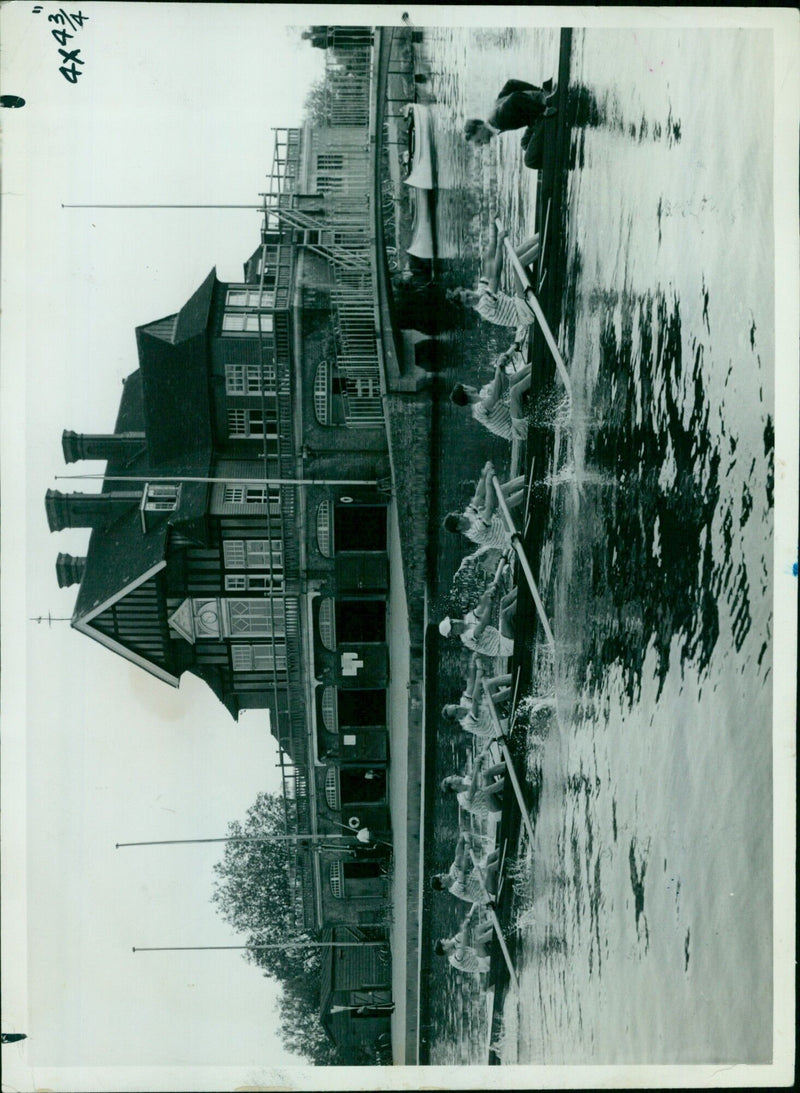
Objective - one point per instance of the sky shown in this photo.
(159, 114)
(175, 103)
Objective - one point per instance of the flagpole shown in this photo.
(239, 839)
(273, 945)
(178, 478)
(254, 208)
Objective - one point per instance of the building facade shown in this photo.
(241, 531)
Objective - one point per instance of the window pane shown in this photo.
(250, 379)
(263, 617)
(233, 553)
(237, 298)
(251, 423)
(161, 498)
(259, 658)
(234, 379)
(253, 495)
(250, 297)
(247, 322)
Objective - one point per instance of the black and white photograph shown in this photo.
(399, 546)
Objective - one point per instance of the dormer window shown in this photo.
(157, 499)
(161, 498)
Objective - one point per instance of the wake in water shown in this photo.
(571, 475)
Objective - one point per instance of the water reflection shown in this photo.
(656, 565)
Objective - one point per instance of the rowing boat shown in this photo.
(420, 147)
(421, 245)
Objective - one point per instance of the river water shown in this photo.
(644, 907)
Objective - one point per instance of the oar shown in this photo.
(535, 306)
(516, 542)
(500, 737)
(528, 493)
(495, 922)
(544, 243)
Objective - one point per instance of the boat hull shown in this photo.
(421, 245)
(421, 173)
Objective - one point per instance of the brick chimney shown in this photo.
(69, 570)
(78, 446)
(87, 510)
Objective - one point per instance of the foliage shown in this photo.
(251, 892)
(316, 105)
(300, 1034)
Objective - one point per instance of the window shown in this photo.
(332, 789)
(161, 498)
(330, 184)
(251, 423)
(329, 710)
(253, 495)
(261, 618)
(205, 615)
(247, 322)
(324, 528)
(327, 623)
(249, 297)
(259, 658)
(250, 379)
(253, 553)
(337, 879)
(330, 161)
(252, 582)
(322, 408)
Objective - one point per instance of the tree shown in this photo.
(250, 892)
(316, 105)
(301, 1035)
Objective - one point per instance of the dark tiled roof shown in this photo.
(175, 391)
(168, 399)
(117, 555)
(251, 273)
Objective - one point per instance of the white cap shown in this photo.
(445, 626)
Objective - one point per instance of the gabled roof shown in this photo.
(168, 399)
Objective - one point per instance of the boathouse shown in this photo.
(246, 531)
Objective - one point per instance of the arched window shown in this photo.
(324, 528)
(327, 623)
(329, 717)
(322, 393)
(337, 879)
(332, 795)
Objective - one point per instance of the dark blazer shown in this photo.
(518, 104)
